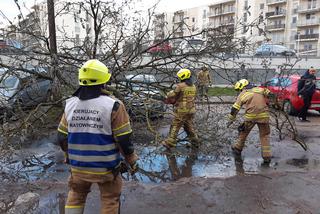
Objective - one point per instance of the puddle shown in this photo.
(158, 165)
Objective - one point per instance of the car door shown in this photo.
(315, 103)
(285, 88)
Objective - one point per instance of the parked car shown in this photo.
(190, 46)
(273, 50)
(286, 88)
(21, 89)
(141, 96)
(160, 49)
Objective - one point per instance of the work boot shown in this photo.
(266, 161)
(236, 151)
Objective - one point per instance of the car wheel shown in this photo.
(288, 108)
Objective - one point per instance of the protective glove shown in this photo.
(231, 119)
(66, 158)
(134, 168)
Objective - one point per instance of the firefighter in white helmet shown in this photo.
(183, 99)
(93, 131)
(256, 113)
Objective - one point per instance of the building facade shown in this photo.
(292, 23)
(72, 28)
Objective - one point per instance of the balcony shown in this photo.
(307, 37)
(274, 2)
(308, 8)
(276, 14)
(221, 12)
(276, 27)
(307, 23)
(221, 3)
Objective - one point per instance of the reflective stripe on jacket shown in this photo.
(91, 146)
(185, 98)
(256, 108)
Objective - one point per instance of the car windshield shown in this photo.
(195, 42)
(318, 84)
(8, 82)
(142, 78)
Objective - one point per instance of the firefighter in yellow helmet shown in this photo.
(256, 113)
(93, 131)
(183, 99)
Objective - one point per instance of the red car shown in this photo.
(286, 88)
(162, 48)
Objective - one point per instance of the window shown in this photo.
(204, 15)
(294, 20)
(308, 16)
(309, 31)
(261, 6)
(307, 47)
(273, 82)
(245, 17)
(245, 4)
(77, 39)
(284, 82)
(193, 19)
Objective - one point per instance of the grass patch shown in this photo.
(218, 91)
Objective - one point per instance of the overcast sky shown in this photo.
(10, 10)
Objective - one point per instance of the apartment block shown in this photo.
(71, 28)
(221, 19)
(292, 23)
(307, 37)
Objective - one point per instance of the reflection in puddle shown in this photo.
(157, 165)
(163, 166)
(298, 162)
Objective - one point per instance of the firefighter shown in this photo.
(256, 113)
(93, 131)
(183, 99)
(203, 80)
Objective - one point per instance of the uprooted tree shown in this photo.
(122, 38)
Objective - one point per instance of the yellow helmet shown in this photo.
(184, 74)
(241, 84)
(93, 72)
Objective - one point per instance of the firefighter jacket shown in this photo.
(184, 95)
(254, 100)
(92, 129)
(203, 78)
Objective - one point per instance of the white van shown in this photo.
(190, 46)
(274, 50)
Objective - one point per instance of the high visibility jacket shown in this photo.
(91, 144)
(204, 78)
(256, 108)
(185, 98)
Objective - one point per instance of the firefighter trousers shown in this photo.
(79, 187)
(264, 132)
(184, 120)
(203, 90)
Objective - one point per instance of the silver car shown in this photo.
(143, 97)
(21, 89)
(274, 50)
